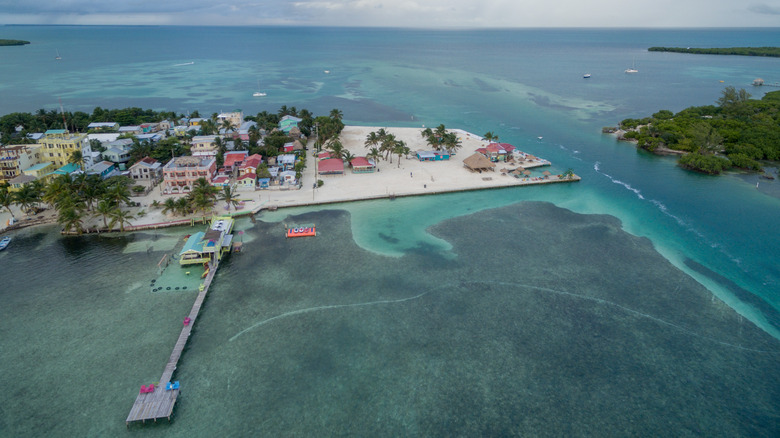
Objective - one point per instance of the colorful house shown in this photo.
(180, 173)
(204, 146)
(203, 247)
(250, 164)
(433, 155)
(362, 165)
(331, 166)
(287, 123)
(497, 151)
(104, 169)
(40, 171)
(247, 181)
(234, 159)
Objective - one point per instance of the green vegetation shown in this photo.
(739, 132)
(742, 51)
(13, 42)
(384, 145)
(440, 138)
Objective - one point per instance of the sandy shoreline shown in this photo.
(410, 177)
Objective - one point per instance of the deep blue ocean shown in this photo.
(642, 300)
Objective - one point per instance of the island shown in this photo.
(741, 51)
(134, 169)
(13, 42)
(739, 132)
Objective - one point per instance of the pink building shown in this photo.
(181, 172)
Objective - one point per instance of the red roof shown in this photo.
(482, 150)
(148, 160)
(495, 147)
(323, 155)
(360, 162)
(220, 180)
(507, 147)
(247, 175)
(331, 165)
(231, 158)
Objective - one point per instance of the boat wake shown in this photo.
(184, 63)
(470, 285)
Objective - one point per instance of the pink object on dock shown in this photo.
(187, 321)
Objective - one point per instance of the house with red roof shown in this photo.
(234, 158)
(362, 165)
(247, 181)
(250, 164)
(331, 166)
(497, 151)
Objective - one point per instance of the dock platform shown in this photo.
(159, 404)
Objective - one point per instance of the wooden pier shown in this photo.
(158, 404)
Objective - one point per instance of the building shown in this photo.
(247, 181)
(362, 165)
(57, 146)
(234, 159)
(103, 169)
(68, 169)
(286, 162)
(287, 123)
(148, 169)
(204, 146)
(433, 155)
(103, 126)
(236, 119)
(118, 150)
(21, 180)
(40, 171)
(134, 130)
(14, 158)
(497, 151)
(180, 173)
(331, 166)
(249, 165)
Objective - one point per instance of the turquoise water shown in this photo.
(541, 311)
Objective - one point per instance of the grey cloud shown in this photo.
(763, 8)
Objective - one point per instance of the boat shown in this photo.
(58, 57)
(327, 72)
(586, 75)
(4, 242)
(632, 69)
(258, 93)
(301, 230)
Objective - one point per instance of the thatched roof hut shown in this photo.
(478, 163)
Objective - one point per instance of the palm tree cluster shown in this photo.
(384, 144)
(74, 198)
(201, 198)
(440, 138)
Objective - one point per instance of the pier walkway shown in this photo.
(159, 403)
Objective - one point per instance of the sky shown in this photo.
(398, 13)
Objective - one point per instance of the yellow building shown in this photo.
(57, 145)
(15, 158)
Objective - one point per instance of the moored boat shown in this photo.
(4, 242)
(302, 231)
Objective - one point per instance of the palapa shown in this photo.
(478, 162)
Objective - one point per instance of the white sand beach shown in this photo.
(410, 177)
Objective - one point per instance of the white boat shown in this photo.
(633, 68)
(586, 75)
(4, 242)
(327, 72)
(58, 55)
(258, 93)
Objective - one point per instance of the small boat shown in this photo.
(586, 75)
(633, 68)
(258, 93)
(58, 57)
(327, 72)
(3, 243)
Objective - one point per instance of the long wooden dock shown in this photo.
(159, 404)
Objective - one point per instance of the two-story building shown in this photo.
(146, 170)
(57, 146)
(236, 119)
(204, 146)
(180, 173)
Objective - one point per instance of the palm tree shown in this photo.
(169, 206)
(229, 196)
(203, 195)
(76, 157)
(400, 149)
(336, 148)
(336, 114)
(70, 218)
(6, 198)
(182, 206)
(374, 154)
(372, 139)
(104, 208)
(120, 216)
(490, 137)
(387, 145)
(227, 126)
(118, 193)
(451, 142)
(27, 197)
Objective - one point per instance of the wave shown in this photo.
(637, 192)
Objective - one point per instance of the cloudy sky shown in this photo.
(399, 13)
